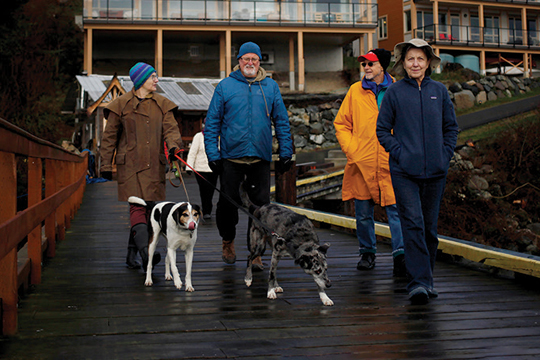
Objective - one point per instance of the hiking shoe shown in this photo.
(229, 255)
(367, 261)
(400, 270)
(432, 293)
(419, 296)
(257, 265)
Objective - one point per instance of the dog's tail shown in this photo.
(137, 201)
(245, 199)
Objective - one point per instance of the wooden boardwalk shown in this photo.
(90, 306)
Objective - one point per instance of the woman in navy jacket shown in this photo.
(417, 126)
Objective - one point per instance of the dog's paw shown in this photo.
(326, 300)
(190, 288)
(279, 289)
(148, 283)
(248, 282)
(168, 277)
(178, 285)
(271, 294)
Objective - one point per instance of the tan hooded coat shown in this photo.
(137, 131)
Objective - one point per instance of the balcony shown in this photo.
(213, 12)
(477, 36)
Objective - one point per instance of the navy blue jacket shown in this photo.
(239, 120)
(417, 126)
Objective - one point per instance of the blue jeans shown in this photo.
(257, 178)
(418, 202)
(365, 227)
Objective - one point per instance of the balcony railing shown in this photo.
(232, 12)
(477, 36)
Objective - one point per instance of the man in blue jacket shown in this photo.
(238, 139)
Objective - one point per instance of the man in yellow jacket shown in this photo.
(367, 173)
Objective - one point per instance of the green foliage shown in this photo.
(40, 52)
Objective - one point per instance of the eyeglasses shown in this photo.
(154, 77)
(370, 64)
(253, 60)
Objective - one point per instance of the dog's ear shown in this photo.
(304, 261)
(324, 248)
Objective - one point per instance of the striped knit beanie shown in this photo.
(140, 73)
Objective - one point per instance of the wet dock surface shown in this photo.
(91, 306)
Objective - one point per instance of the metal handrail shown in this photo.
(481, 36)
(232, 12)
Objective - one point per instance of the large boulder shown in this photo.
(464, 99)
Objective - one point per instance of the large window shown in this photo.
(407, 21)
(383, 27)
(515, 32)
(474, 29)
(491, 29)
(533, 33)
(424, 23)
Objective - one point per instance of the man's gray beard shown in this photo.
(250, 71)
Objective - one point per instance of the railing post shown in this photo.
(8, 265)
(61, 213)
(35, 254)
(286, 186)
(50, 221)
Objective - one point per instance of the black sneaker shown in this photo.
(400, 270)
(419, 296)
(367, 261)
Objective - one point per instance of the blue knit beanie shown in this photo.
(249, 47)
(139, 73)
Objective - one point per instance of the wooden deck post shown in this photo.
(286, 183)
(35, 253)
(8, 265)
(50, 221)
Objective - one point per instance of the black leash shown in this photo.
(251, 216)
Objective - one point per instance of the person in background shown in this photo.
(417, 126)
(198, 160)
(238, 140)
(367, 174)
(138, 123)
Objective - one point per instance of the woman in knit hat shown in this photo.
(138, 123)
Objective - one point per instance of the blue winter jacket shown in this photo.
(240, 116)
(417, 126)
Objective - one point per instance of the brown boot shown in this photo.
(229, 256)
(257, 265)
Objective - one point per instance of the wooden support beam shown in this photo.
(50, 221)
(301, 69)
(8, 263)
(228, 55)
(159, 52)
(35, 175)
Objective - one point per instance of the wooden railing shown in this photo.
(59, 175)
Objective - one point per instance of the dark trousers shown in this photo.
(418, 202)
(206, 190)
(257, 178)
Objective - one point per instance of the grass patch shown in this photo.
(491, 130)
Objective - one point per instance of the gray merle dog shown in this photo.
(297, 239)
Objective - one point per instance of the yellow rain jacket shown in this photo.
(367, 174)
